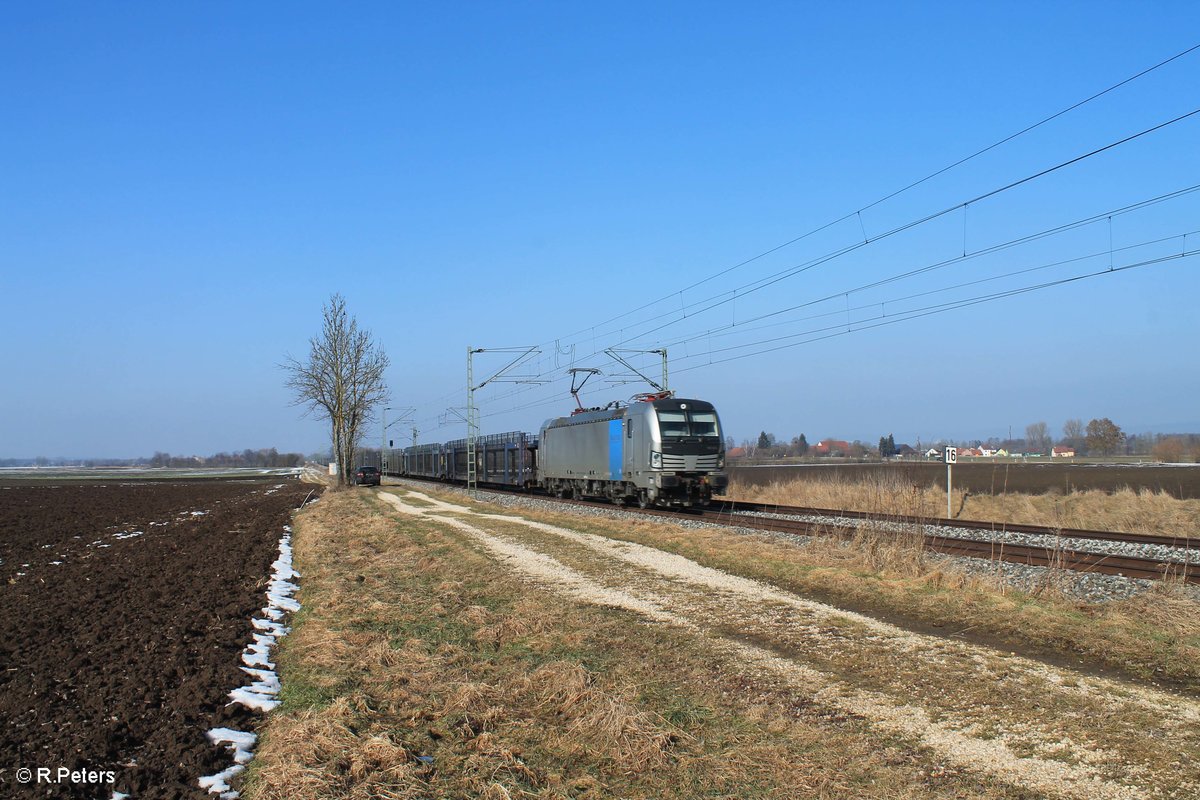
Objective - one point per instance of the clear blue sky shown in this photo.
(182, 187)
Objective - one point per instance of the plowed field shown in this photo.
(123, 609)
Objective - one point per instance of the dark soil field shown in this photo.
(994, 478)
(123, 610)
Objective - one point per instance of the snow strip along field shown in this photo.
(1050, 731)
(262, 693)
(118, 659)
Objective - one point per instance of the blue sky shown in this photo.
(185, 186)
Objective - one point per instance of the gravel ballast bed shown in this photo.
(1177, 555)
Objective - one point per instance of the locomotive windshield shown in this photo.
(678, 424)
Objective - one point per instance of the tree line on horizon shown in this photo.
(263, 458)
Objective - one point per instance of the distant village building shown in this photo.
(831, 447)
(1063, 452)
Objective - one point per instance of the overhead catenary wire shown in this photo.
(881, 321)
(908, 187)
(716, 301)
(840, 328)
(936, 265)
(956, 260)
(893, 300)
(720, 299)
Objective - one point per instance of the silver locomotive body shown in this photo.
(658, 452)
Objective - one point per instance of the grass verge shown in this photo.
(1129, 510)
(1154, 635)
(420, 668)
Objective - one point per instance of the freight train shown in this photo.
(658, 450)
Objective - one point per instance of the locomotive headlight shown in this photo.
(655, 459)
(721, 461)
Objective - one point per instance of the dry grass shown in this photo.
(419, 668)
(1124, 510)
(1151, 635)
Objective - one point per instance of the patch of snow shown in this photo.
(219, 783)
(262, 693)
(240, 742)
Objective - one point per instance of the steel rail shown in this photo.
(1182, 542)
(1024, 554)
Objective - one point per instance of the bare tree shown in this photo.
(341, 381)
(1036, 437)
(1073, 433)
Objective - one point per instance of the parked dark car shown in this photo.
(367, 476)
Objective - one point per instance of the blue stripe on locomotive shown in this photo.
(615, 454)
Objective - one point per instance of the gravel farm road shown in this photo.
(1046, 729)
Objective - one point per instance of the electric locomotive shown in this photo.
(659, 450)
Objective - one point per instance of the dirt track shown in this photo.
(1045, 731)
(120, 656)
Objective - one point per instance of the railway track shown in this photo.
(1060, 555)
(1187, 543)
(847, 524)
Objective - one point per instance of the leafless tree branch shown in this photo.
(342, 380)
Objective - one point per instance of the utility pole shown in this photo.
(383, 443)
(472, 421)
(406, 413)
(472, 416)
(658, 387)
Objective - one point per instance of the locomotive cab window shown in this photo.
(673, 423)
(704, 423)
(629, 429)
(677, 424)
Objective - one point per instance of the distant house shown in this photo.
(933, 452)
(831, 447)
(986, 452)
(904, 451)
(970, 452)
(1063, 452)
(736, 452)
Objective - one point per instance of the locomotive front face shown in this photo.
(689, 436)
(684, 450)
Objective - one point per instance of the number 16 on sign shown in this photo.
(951, 457)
